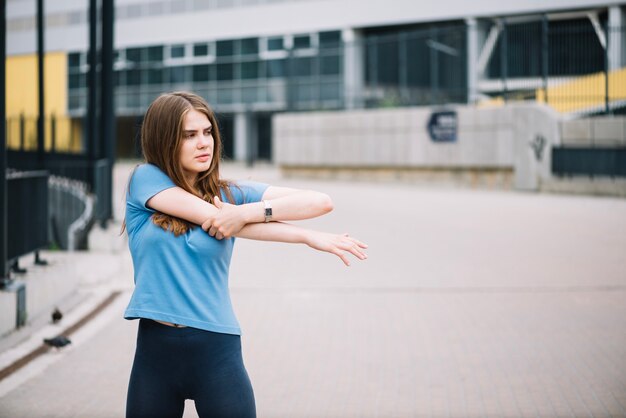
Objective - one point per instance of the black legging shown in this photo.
(174, 364)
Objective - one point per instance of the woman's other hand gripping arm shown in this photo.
(287, 205)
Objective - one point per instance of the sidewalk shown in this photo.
(471, 304)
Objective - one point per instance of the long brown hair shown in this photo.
(161, 138)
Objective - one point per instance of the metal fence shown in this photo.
(27, 212)
(576, 65)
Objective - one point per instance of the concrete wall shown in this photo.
(503, 147)
(605, 131)
(489, 140)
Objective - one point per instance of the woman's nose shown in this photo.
(204, 141)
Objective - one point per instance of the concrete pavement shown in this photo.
(471, 304)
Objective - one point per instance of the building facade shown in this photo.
(252, 59)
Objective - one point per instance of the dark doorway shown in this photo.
(264, 132)
(128, 137)
(227, 132)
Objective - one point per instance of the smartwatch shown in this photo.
(268, 210)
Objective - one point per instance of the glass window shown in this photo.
(133, 77)
(250, 46)
(249, 70)
(329, 65)
(301, 41)
(73, 60)
(302, 67)
(201, 73)
(275, 44)
(177, 51)
(155, 76)
(200, 50)
(225, 72)
(330, 39)
(178, 74)
(225, 48)
(275, 68)
(154, 53)
(76, 81)
(133, 54)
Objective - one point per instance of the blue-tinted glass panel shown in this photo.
(301, 41)
(275, 68)
(154, 76)
(302, 67)
(225, 72)
(225, 48)
(177, 51)
(250, 46)
(200, 50)
(249, 70)
(201, 73)
(133, 55)
(275, 44)
(133, 77)
(330, 39)
(73, 60)
(154, 53)
(178, 74)
(76, 81)
(329, 65)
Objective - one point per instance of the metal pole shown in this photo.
(544, 56)
(91, 144)
(107, 104)
(40, 85)
(606, 71)
(503, 59)
(4, 271)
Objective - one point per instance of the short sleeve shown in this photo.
(246, 191)
(146, 181)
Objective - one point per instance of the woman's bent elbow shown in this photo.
(326, 204)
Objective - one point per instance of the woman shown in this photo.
(188, 344)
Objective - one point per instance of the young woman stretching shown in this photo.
(188, 344)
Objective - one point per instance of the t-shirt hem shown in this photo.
(174, 319)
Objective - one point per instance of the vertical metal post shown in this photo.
(41, 117)
(472, 60)
(53, 133)
(107, 103)
(434, 69)
(544, 55)
(402, 69)
(504, 59)
(606, 70)
(4, 271)
(91, 144)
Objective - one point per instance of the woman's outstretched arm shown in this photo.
(287, 205)
(178, 202)
(341, 245)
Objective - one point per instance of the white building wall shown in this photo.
(262, 19)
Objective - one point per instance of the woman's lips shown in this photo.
(203, 158)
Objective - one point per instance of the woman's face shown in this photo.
(196, 151)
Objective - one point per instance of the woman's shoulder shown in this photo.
(146, 172)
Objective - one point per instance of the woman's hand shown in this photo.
(226, 222)
(340, 245)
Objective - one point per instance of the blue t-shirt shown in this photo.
(184, 279)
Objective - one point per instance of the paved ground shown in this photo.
(472, 304)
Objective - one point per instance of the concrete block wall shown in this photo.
(487, 139)
(603, 131)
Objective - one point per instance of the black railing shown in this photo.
(27, 212)
(571, 161)
(96, 174)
